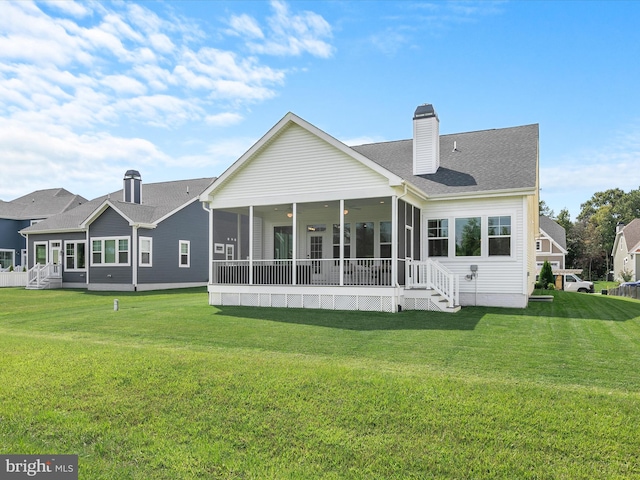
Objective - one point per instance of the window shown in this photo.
(499, 234)
(438, 237)
(364, 239)
(385, 239)
(283, 242)
(40, 253)
(145, 252)
(538, 245)
(347, 240)
(6, 258)
(468, 237)
(75, 255)
(185, 253)
(110, 251)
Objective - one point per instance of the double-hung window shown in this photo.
(499, 234)
(438, 237)
(185, 253)
(74, 258)
(145, 252)
(110, 251)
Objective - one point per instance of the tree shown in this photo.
(544, 209)
(564, 220)
(546, 275)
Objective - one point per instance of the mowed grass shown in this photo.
(171, 388)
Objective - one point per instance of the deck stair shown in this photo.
(44, 277)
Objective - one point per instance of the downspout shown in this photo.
(88, 257)
(134, 257)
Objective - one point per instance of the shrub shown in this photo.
(546, 274)
(551, 286)
(626, 275)
(11, 268)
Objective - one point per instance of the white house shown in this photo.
(430, 223)
(626, 251)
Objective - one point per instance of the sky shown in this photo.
(181, 89)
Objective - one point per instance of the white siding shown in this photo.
(496, 275)
(295, 166)
(426, 149)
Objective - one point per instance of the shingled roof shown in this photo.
(554, 230)
(631, 234)
(485, 160)
(158, 200)
(40, 204)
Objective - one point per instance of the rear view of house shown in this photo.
(143, 237)
(431, 223)
(25, 211)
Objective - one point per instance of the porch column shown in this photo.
(394, 240)
(294, 254)
(250, 245)
(341, 233)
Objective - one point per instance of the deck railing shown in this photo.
(356, 271)
(38, 274)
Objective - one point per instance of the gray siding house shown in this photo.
(27, 210)
(143, 237)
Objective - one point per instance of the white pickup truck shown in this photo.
(573, 283)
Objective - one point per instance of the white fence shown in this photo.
(13, 279)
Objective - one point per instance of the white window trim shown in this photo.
(102, 253)
(46, 251)
(13, 255)
(75, 256)
(140, 252)
(188, 243)
(511, 239)
(484, 237)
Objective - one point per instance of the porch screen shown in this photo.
(283, 242)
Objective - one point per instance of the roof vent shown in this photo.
(426, 140)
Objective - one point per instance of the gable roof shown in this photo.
(275, 131)
(503, 159)
(40, 204)
(554, 230)
(159, 200)
(497, 160)
(631, 234)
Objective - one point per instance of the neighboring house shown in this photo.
(626, 251)
(28, 210)
(551, 244)
(143, 237)
(429, 223)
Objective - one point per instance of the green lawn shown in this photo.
(171, 388)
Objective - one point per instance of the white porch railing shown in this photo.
(360, 271)
(431, 274)
(39, 275)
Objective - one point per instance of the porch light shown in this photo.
(289, 214)
(346, 211)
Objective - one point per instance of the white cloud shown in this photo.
(245, 25)
(71, 72)
(289, 34)
(574, 178)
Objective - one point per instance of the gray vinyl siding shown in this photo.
(110, 224)
(67, 277)
(190, 223)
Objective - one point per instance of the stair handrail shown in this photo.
(434, 275)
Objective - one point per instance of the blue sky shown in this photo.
(181, 89)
